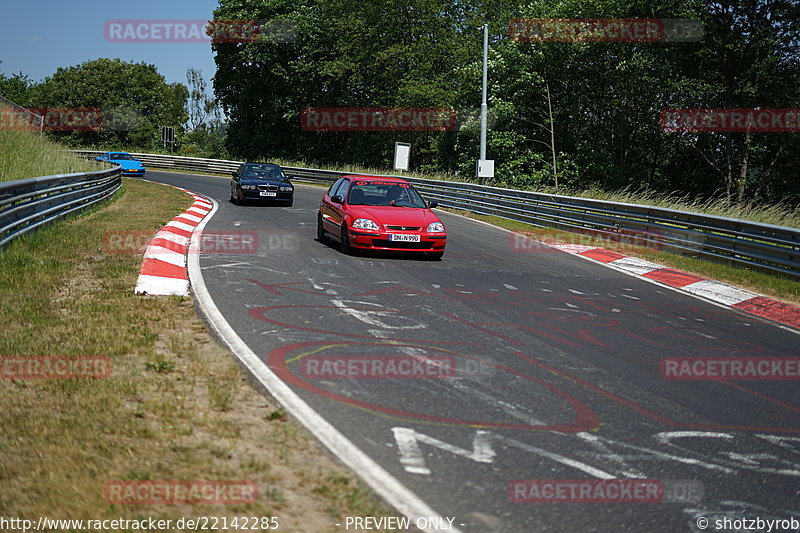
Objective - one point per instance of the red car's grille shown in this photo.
(404, 228)
(401, 245)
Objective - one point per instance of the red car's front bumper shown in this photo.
(428, 242)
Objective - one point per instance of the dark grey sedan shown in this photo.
(262, 182)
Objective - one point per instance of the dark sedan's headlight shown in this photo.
(248, 187)
(287, 189)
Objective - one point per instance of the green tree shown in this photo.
(136, 101)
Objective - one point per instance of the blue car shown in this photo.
(130, 165)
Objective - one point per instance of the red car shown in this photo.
(379, 213)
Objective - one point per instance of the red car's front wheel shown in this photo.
(344, 241)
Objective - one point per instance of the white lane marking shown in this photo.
(371, 318)
(413, 461)
(571, 310)
(509, 287)
(666, 437)
(574, 463)
(613, 456)
(381, 481)
(670, 457)
(629, 296)
(781, 440)
(573, 291)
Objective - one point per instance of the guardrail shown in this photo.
(763, 246)
(29, 204)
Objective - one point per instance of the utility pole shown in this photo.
(484, 168)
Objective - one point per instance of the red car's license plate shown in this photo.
(403, 237)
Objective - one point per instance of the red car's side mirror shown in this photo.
(337, 199)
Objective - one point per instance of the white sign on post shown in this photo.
(484, 168)
(402, 154)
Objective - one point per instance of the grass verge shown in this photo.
(774, 285)
(16, 162)
(175, 407)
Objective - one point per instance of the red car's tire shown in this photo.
(321, 235)
(344, 241)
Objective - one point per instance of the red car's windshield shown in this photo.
(384, 194)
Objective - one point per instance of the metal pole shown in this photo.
(484, 106)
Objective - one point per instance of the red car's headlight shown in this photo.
(365, 223)
(435, 227)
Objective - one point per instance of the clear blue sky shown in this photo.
(38, 36)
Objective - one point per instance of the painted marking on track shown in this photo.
(509, 287)
(592, 439)
(371, 318)
(413, 461)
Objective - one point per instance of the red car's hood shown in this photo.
(394, 216)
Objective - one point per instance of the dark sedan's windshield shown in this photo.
(121, 157)
(384, 193)
(263, 171)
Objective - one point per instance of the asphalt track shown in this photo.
(554, 372)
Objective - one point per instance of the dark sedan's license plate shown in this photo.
(265, 193)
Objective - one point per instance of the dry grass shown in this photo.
(176, 406)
